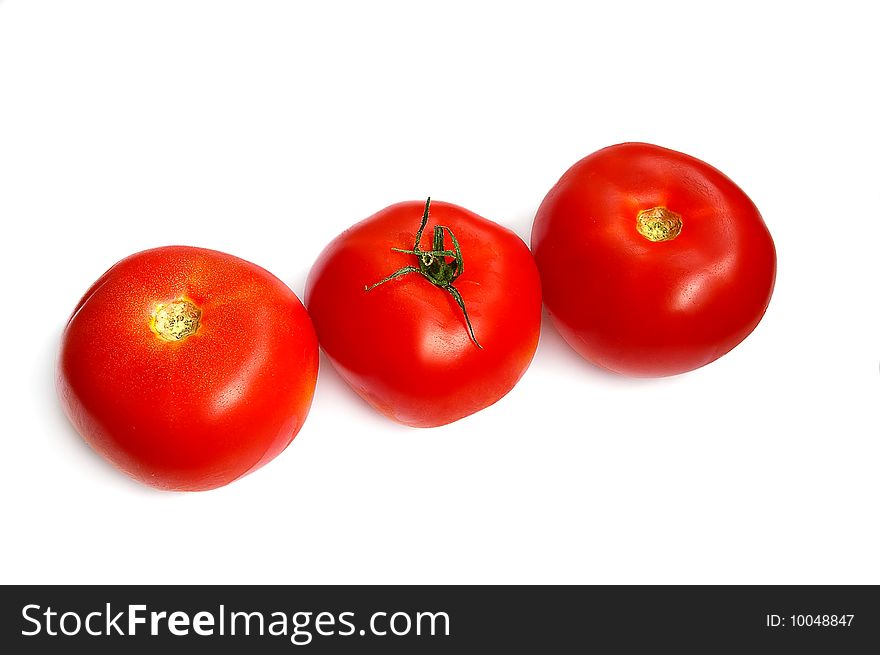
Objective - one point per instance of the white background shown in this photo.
(265, 128)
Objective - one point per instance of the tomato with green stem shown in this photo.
(427, 333)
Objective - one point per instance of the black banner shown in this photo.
(445, 619)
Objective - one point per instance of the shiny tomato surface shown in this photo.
(404, 345)
(652, 262)
(188, 368)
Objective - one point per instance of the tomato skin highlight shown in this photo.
(196, 413)
(403, 346)
(647, 308)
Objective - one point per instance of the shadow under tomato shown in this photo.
(522, 225)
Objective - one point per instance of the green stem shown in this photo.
(434, 267)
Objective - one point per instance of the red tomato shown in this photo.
(652, 262)
(188, 368)
(406, 344)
